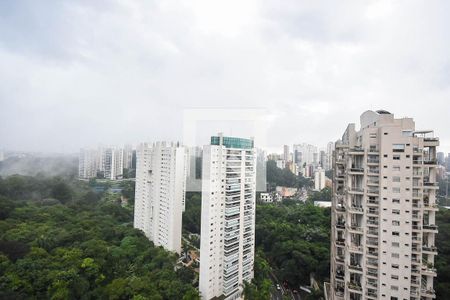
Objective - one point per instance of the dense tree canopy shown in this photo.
(442, 262)
(79, 246)
(192, 212)
(295, 239)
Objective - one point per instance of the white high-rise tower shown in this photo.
(160, 192)
(228, 217)
(383, 211)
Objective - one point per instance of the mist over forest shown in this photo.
(45, 165)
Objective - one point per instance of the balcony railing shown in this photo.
(372, 211)
(371, 222)
(372, 273)
(340, 242)
(357, 169)
(355, 248)
(372, 253)
(355, 228)
(355, 267)
(356, 209)
(356, 190)
(340, 275)
(429, 248)
(430, 227)
(428, 292)
(340, 208)
(373, 202)
(373, 191)
(373, 182)
(340, 225)
(372, 263)
(371, 294)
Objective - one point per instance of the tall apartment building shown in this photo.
(113, 163)
(88, 163)
(286, 154)
(448, 162)
(305, 154)
(319, 179)
(160, 193)
(330, 149)
(128, 157)
(383, 211)
(228, 217)
(323, 160)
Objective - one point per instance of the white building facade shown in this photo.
(383, 211)
(228, 217)
(319, 179)
(88, 163)
(160, 193)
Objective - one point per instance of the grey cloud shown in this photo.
(75, 73)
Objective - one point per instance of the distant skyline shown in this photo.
(78, 73)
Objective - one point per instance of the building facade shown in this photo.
(319, 179)
(383, 211)
(228, 217)
(88, 164)
(286, 154)
(160, 193)
(128, 157)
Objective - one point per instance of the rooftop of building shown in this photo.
(232, 142)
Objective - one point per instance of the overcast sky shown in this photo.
(79, 73)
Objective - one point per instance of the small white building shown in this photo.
(266, 198)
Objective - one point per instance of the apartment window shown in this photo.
(395, 233)
(407, 133)
(395, 255)
(395, 277)
(394, 266)
(396, 190)
(396, 223)
(396, 179)
(396, 168)
(398, 147)
(396, 157)
(396, 211)
(395, 244)
(395, 200)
